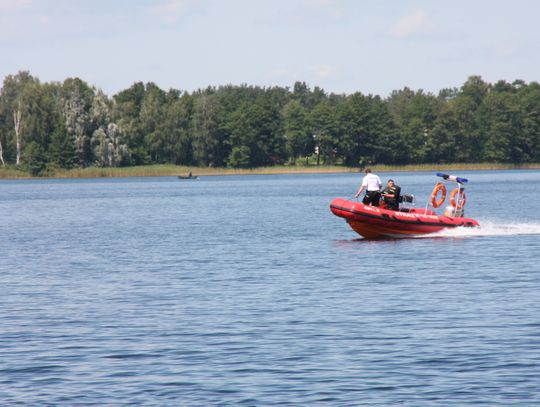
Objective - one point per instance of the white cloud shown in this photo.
(173, 10)
(14, 5)
(323, 3)
(324, 71)
(330, 7)
(15, 20)
(315, 73)
(413, 24)
(280, 73)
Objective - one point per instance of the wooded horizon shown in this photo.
(73, 124)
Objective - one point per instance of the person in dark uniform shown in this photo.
(390, 195)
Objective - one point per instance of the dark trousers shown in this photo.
(372, 197)
(392, 204)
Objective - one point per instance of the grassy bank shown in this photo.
(173, 170)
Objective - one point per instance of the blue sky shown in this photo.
(343, 46)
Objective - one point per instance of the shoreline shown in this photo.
(172, 170)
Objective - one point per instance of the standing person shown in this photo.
(372, 184)
(390, 195)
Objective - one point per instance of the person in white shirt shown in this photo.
(372, 184)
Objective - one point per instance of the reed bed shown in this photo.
(10, 172)
(453, 167)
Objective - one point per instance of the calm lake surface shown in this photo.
(246, 290)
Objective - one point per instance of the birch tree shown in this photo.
(108, 147)
(15, 99)
(17, 124)
(77, 102)
(206, 132)
(2, 154)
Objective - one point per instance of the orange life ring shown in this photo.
(439, 187)
(462, 198)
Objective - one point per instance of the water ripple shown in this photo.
(228, 292)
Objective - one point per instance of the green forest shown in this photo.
(45, 126)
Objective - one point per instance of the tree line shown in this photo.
(72, 124)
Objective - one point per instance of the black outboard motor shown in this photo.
(406, 198)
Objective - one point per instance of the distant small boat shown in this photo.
(188, 177)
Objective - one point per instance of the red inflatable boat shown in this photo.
(373, 222)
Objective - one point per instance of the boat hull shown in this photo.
(373, 222)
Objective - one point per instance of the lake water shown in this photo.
(246, 290)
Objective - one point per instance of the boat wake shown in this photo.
(491, 229)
